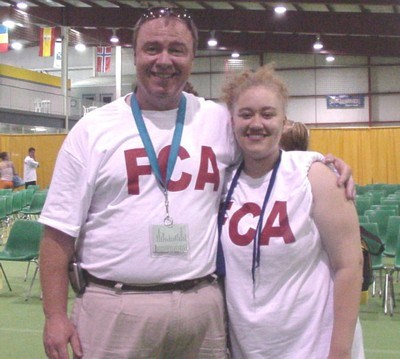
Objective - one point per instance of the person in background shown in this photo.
(134, 198)
(7, 171)
(295, 136)
(290, 239)
(30, 165)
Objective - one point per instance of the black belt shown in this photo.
(162, 287)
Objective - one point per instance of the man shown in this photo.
(30, 165)
(138, 183)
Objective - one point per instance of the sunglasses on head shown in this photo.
(159, 12)
(163, 12)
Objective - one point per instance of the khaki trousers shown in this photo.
(152, 325)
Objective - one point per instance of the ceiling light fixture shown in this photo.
(235, 55)
(9, 24)
(22, 5)
(330, 58)
(80, 47)
(16, 45)
(280, 9)
(114, 38)
(318, 45)
(212, 41)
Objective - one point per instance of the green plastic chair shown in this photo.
(378, 186)
(386, 206)
(362, 204)
(391, 188)
(392, 234)
(390, 201)
(389, 292)
(34, 210)
(360, 190)
(5, 191)
(34, 187)
(23, 197)
(376, 260)
(23, 246)
(381, 217)
(393, 196)
(376, 195)
(29, 195)
(363, 219)
(4, 219)
(396, 265)
(16, 203)
(9, 208)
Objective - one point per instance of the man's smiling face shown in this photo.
(163, 59)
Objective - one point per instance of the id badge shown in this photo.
(169, 240)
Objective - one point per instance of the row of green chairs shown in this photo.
(26, 203)
(377, 200)
(387, 188)
(22, 246)
(388, 226)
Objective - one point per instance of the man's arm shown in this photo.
(345, 175)
(56, 252)
(31, 162)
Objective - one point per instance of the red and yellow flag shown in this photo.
(47, 40)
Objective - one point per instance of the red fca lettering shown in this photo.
(279, 211)
(183, 182)
(207, 157)
(203, 177)
(236, 237)
(283, 230)
(134, 170)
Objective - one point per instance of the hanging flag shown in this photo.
(57, 54)
(3, 38)
(103, 59)
(47, 40)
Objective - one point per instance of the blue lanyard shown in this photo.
(257, 237)
(151, 154)
(148, 145)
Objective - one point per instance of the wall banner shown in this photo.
(344, 101)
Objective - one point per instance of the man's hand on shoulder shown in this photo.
(345, 175)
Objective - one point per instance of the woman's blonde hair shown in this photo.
(264, 76)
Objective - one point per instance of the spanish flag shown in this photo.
(3, 38)
(47, 40)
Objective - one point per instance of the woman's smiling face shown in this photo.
(258, 119)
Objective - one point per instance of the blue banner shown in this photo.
(345, 101)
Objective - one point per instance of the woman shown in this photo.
(7, 171)
(291, 240)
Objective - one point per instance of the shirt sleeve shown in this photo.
(31, 162)
(68, 199)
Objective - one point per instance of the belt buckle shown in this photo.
(118, 287)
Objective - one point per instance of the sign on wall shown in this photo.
(344, 101)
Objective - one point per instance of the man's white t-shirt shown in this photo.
(30, 166)
(104, 192)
